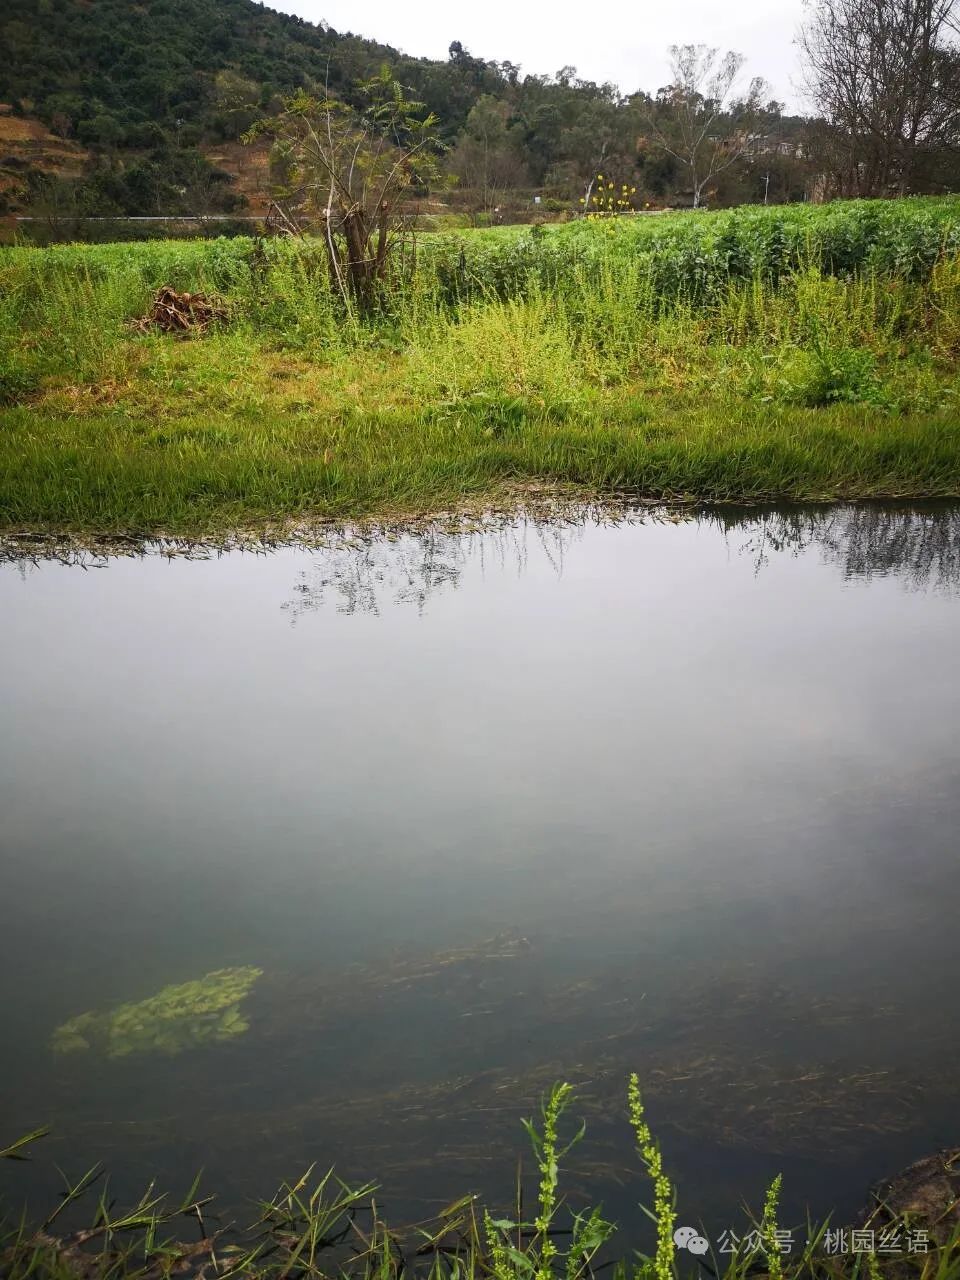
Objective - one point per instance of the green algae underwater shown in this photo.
(485, 993)
(178, 1017)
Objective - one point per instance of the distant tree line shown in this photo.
(149, 88)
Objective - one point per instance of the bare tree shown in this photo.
(884, 76)
(699, 119)
(486, 158)
(353, 168)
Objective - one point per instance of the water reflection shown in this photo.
(489, 807)
(920, 547)
(367, 569)
(367, 573)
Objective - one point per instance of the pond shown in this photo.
(468, 812)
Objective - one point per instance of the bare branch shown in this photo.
(699, 120)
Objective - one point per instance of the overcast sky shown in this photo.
(603, 39)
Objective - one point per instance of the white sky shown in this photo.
(603, 39)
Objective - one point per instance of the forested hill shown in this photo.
(121, 72)
(137, 86)
(136, 107)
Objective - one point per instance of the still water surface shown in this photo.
(490, 810)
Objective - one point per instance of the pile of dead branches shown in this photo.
(180, 313)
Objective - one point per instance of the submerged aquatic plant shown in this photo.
(179, 1017)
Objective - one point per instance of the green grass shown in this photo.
(805, 353)
(318, 1228)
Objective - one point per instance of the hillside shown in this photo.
(28, 146)
(151, 93)
(136, 107)
(126, 72)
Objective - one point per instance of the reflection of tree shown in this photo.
(364, 573)
(917, 545)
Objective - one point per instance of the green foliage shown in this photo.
(833, 375)
(712, 356)
(768, 1229)
(179, 1017)
(694, 258)
(353, 167)
(150, 88)
(103, 73)
(519, 1250)
(319, 1228)
(146, 86)
(664, 1200)
(17, 380)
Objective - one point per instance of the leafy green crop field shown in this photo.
(791, 353)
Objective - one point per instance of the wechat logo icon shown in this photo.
(690, 1239)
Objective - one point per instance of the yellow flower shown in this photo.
(609, 186)
(633, 191)
(582, 201)
(599, 177)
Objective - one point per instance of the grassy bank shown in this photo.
(759, 354)
(318, 1228)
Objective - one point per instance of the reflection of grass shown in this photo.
(318, 1228)
(793, 382)
(178, 1017)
